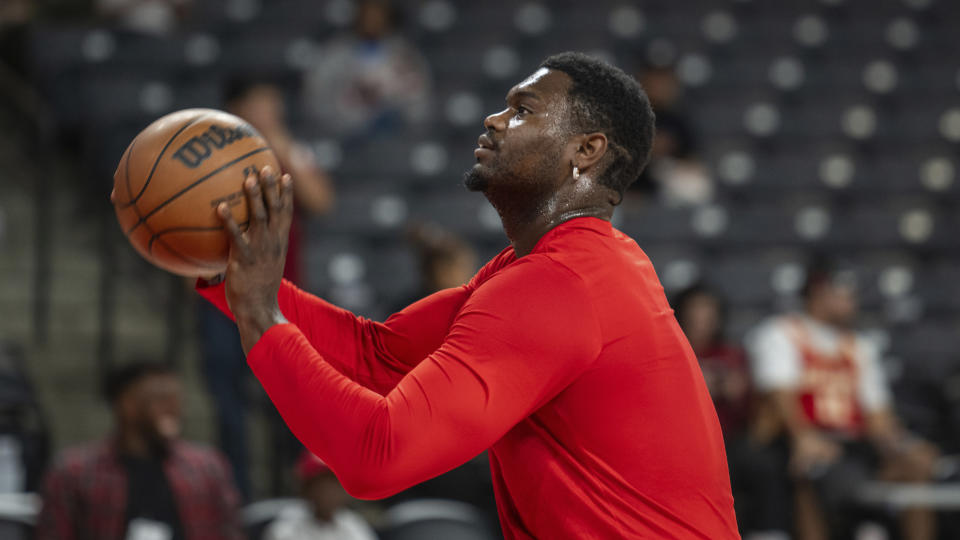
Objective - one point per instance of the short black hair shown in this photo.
(823, 270)
(122, 377)
(606, 99)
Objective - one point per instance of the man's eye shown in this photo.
(522, 111)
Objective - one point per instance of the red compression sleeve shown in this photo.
(517, 342)
(373, 354)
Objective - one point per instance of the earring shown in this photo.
(576, 173)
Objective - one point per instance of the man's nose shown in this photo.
(496, 121)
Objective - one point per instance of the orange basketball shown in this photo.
(173, 176)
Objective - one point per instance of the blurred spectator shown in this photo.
(15, 17)
(142, 481)
(146, 16)
(448, 261)
(368, 81)
(325, 515)
(674, 171)
(702, 316)
(828, 414)
(225, 367)
(261, 103)
(15, 11)
(24, 437)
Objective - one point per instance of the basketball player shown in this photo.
(561, 356)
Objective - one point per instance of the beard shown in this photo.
(517, 186)
(511, 173)
(476, 179)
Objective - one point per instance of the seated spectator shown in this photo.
(261, 103)
(446, 260)
(827, 411)
(674, 172)
(141, 481)
(325, 515)
(368, 81)
(702, 316)
(15, 19)
(24, 437)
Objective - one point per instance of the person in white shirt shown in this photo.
(823, 397)
(323, 514)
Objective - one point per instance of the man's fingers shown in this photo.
(233, 230)
(286, 193)
(270, 188)
(258, 213)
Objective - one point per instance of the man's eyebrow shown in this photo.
(517, 94)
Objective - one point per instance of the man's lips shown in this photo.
(481, 151)
(484, 146)
(484, 142)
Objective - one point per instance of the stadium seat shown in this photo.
(434, 518)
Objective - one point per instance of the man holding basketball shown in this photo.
(561, 356)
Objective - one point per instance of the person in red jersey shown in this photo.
(561, 355)
(827, 415)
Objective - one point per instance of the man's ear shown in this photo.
(593, 146)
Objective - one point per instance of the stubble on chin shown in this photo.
(475, 179)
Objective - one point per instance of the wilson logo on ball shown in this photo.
(195, 151)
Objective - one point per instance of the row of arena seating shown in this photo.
(830, 125)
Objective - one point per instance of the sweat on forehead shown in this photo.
(542, 82)
(533, 78)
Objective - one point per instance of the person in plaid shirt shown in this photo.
(142, 481)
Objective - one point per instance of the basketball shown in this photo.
(171, 179)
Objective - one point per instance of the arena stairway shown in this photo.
(64, 365)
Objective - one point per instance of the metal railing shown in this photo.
(40, 121)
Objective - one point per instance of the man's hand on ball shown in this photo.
(255, 266)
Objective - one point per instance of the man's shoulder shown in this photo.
(493, 266)
(537, 267)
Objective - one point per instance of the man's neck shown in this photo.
(525, 227)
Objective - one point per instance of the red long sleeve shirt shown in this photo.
(567, 364)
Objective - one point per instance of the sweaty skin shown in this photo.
(561, 356)
(593, 408)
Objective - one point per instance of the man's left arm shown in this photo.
(519, 339)
(516, 344)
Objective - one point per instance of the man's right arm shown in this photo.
(376, 355)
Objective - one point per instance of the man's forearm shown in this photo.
(254, 322)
